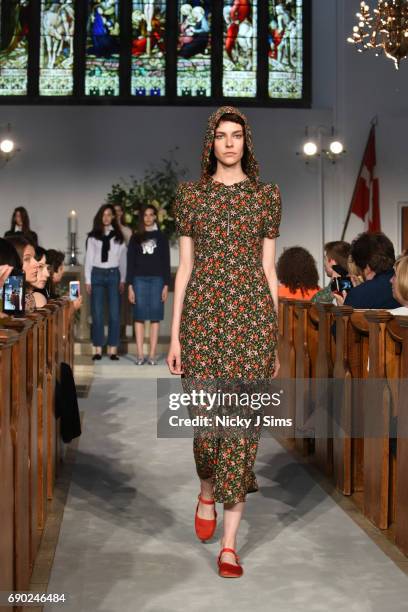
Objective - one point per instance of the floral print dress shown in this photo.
(228, 327)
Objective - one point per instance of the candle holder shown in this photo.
(73, 251)
(72, 238)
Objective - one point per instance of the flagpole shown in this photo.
(373, 123)
(322, 200)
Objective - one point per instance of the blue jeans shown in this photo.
(105, 279)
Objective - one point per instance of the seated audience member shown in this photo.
(374, 254)
(354, 271)
(9, 261)
(335, 254)
(399, 283)
(29, 264)
(297, 274)
(55, 260)
(40, 292)
(20, 225)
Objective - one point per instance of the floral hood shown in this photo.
(253, 167)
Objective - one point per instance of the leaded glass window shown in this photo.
(57, 48)
(103, 48)
(14, 29)
(194, 49)
(240, 49)
(148, 48)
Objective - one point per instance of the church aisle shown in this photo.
(127, 540)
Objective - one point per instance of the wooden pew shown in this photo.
(377, 416)
(7, 556)
(20, 428)
(31, 350)
(342, 402)
(323, 445)
(401, 489)
(50, 311)
(287, 358)
(38, 433)
(304, 348)
(358, 356)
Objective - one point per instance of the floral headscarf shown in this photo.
(252, 169)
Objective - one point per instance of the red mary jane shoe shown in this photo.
(205, 527)
(228, 570)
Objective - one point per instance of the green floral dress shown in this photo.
(228, 327)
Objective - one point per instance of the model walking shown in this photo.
(225, 307)
(148, 276)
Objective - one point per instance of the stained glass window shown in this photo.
(285, 39)
(14, 28)
(240, 48)
(194, 48)
(148, 48)
(57, 47)
(130, 50)
(103, 48)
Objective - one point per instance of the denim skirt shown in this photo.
(149, 305)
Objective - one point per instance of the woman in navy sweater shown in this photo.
(148, 276)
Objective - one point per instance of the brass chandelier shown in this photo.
(385, 30)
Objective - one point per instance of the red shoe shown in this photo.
(205, 527)
(228, 570)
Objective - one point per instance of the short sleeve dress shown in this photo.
(228, 326)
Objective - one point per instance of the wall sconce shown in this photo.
(8, 147)
(312, 147)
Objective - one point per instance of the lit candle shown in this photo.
(73, 222)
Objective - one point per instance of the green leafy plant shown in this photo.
(157, 187)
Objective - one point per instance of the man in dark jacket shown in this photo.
(374, 255)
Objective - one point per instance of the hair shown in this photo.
(19, 243)
(40, 252)
(339, 251)
(140, 229)
(9, 255)
(55, 259)
(353, 269)
(245, 158)
(296, 268)
(24, 217)
(123, 222)
(401, 273)
(373, 249)
(98, 227)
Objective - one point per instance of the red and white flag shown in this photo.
(365, 204)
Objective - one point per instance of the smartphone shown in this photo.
(14, 294)
(74, 290)
(340, 270)
(340, 284)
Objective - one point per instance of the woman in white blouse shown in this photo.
(105, 270)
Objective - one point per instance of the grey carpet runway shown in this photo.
(127, 540)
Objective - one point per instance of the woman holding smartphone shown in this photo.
(29, 264)
(105, 272)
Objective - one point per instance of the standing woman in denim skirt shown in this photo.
(105, 270)
(148, 276)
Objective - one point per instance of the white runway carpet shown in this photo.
(127, 541)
